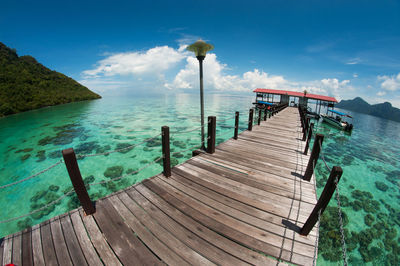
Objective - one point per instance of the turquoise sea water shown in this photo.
(32, 141)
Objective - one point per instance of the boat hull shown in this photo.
(333, 122)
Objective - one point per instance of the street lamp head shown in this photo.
(200, 48)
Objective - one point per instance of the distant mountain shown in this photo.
(26, 84)
(384, 110)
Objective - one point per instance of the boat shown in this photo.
(337, 121)
(312, 114)
(263, 105)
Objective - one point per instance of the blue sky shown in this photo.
(338, 48)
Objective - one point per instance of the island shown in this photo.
(26, 84)
(383, 110)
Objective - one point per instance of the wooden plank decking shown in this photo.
(224, 208)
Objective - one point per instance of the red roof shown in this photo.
(298, 94)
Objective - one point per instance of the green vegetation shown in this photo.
(26, 84)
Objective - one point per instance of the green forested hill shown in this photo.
(383, 110)
(26, 84)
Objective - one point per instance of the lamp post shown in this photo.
(200, 48)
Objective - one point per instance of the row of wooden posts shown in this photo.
(76, 178)
(334, 177)
(89, 207)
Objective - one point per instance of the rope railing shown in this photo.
(32, 176)
(190, 148)
(81, 156)
(342, 239)
(80, 188)
(187, 131)
(337, 193)
(40, 209)
(127, 174)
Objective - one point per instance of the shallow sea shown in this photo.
(31, 142)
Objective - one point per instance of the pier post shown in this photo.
(314, 157)
(250, 126)
(310, 130)
(307, 124)
(166, 151)
(265, 114)
(323, 200)
(77, 182)
(259, 117)
(235, 134)
(212, 122)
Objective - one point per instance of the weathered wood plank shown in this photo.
(253, 182)
(233, 221)
(7, 250)
(225, 226)
(290, 183)
(190, 239)
(211, 236)
(59, 242)
(99, 242)
(249, 199)
(87, 247)
(1, 249)
(244, 217)
(37, 250)
(74, 248)
(49, 252)
(127, 208)
(130, 250)
(17, 249)
(265, 216)
(27, 256)
(276, 204)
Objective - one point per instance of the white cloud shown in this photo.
(355, 75)
(391, 83)
(353, 61)
(154, 60)
(381, 93)
(215, 77)
(151, 68)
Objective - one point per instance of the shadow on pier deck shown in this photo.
(227, 208)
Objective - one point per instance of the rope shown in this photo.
(322, 156)
(33, 176)
(41, 208)
(188, 131)
(127, 174)
(317, 239)
(190, 148)
(343, 240)
(227, 133)
(319, 222)
(117, 150)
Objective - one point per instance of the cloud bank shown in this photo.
(176, 69)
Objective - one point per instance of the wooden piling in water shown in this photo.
(306, 129)
(212, 122)
(323, 201)
(166, 151)
(77, 182)
(235, 134)
(259, 117)
(250, 125)
(314, 157)
(310, 130)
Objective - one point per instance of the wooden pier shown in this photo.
(243, 204)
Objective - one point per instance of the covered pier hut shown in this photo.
(294, 98)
